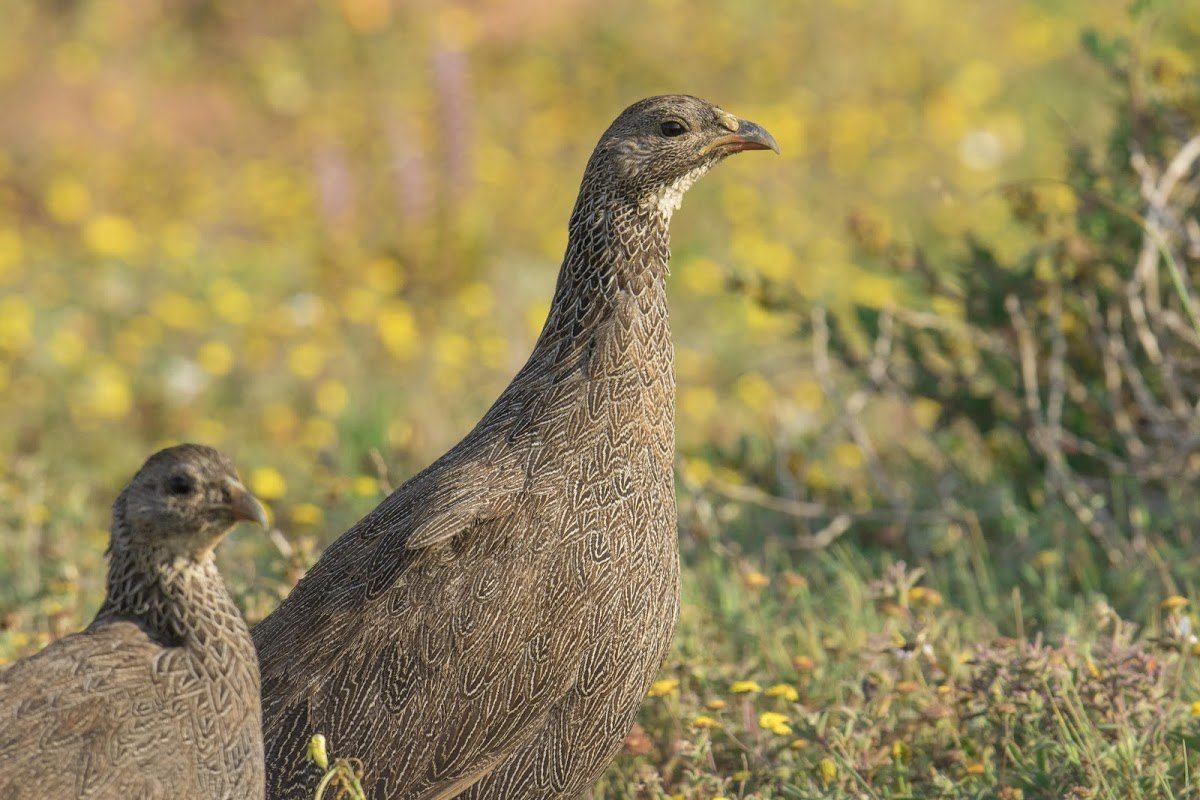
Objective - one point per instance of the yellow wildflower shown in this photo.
(755, 580)
(332, 397)
(318, 753)
(110, 235)
(1174, 603)
(366, 486)
(786, 691)
(924, 596)
(215, 358)
(775, 723)
(664, 687)
(307, 514)
(828, 770)
(267, 483)
(716, 704)
(745, 687)
(705, 722)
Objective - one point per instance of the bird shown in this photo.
(159, 696)
(491, 628)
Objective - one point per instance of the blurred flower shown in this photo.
(663, 687)
(365, 486)
(745, 687)
(307, 514)
(267, 483)
(397, 330)
(775, 723)
(111, 235)
(215, 358)
(786, 691)
(67, 199)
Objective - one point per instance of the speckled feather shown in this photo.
(157, 698)
(490, 630)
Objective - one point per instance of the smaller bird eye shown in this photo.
(673, 127)
(180, 485)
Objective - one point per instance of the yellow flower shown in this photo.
(798, 744)
(1174, 603)
(775, 723)
(11, 250)
(715, 704)
(745, 687)
(828, 770)
(106, 395)
(110, 235)
(666, 686)
(67, 347)
(755, 580)
(924, 596)
(230, 301)
(307, 514)
(397, 330)
(318, 753)
(318, 433)
(366, 486)
(804, 663)
(305, 360)
(67, 200)
(267, 483)
(16, 323)
(742, 775)
(332, 397)
(177, 310)
(786, 691)
(975, 769)
(705, 722)
(215, 358)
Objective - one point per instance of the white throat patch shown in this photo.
(670, 197)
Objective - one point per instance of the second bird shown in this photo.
(490, 630)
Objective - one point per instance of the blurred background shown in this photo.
(323, 236)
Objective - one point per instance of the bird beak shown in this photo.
(245, 506)
(747, 136)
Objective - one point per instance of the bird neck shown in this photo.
(179, 601)
(618, 254)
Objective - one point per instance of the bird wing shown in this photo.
(394, 641)
(88, 717)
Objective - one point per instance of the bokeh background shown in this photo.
(323, 236)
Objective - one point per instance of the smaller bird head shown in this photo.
(659, 146)
(183, 501)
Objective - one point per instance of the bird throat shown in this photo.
(162, 593)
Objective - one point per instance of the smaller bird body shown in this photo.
(158, 696)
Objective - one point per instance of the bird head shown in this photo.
(659, 146)
(183, 501)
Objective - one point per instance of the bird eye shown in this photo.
(673, 127)
(180, 485)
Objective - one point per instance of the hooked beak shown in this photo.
(245, 506)
(748, 136)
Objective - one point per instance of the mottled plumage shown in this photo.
(159, 696)
(490, 630)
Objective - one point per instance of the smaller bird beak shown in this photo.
(748, 136)
(245, 506)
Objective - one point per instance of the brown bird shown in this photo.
(490, 630)
(159, 696)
